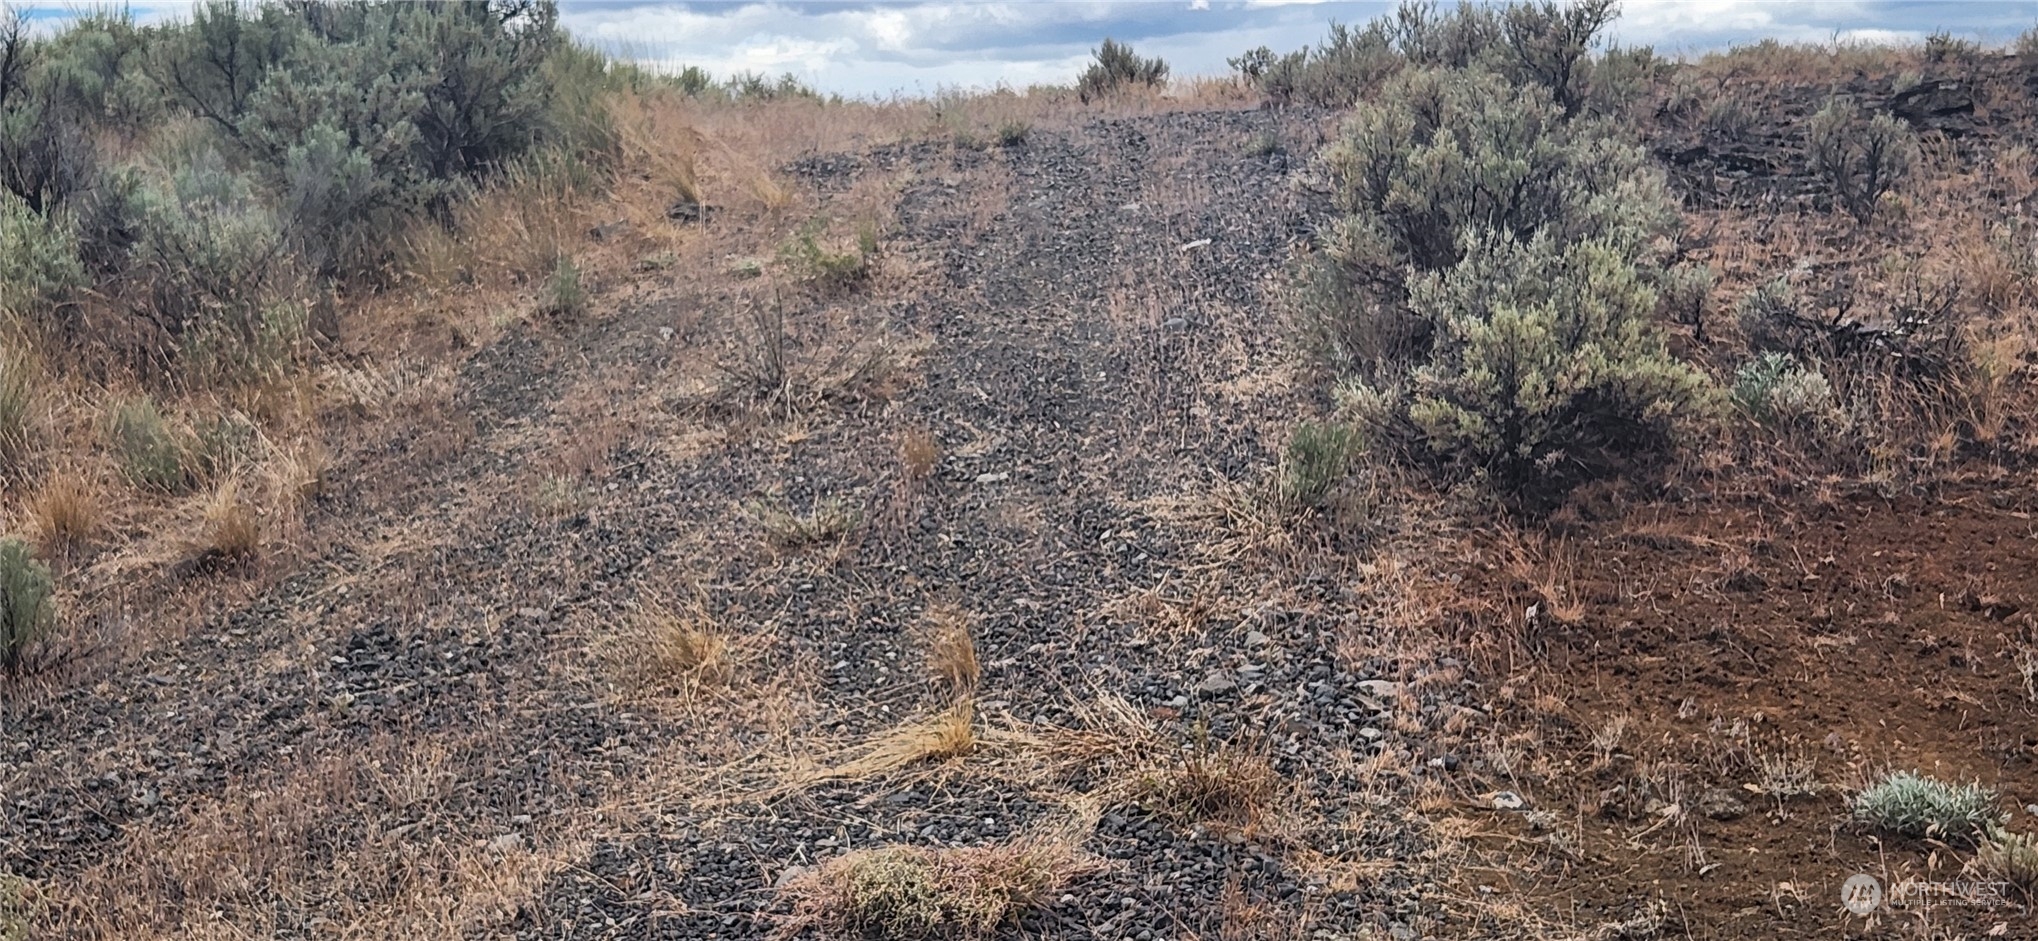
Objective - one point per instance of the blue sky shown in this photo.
(919, 47)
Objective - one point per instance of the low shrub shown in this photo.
(39, 261)
(1860, 158)
(1117, 68)
(151, 453)
(26, 613)
(1547, 370)
(1911, 804)
(1318, 456)
(1682, 294)
(563, 295)
(1772, 389)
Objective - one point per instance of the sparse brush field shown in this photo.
(1463, 480)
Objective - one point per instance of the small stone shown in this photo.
(506, 843)
(531, 614)
(1256, 639)
(1381, 689)
(1218, 682)
(1371, 734)
(1507, 800)
(996, 478)
(1175, 324)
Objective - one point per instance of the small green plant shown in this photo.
(563, 295)
(1773, 389)
(151, 453)
(1117, 67)
(1861, 159)
(26, 613)
(2027, 44)
(1317, 458)
(1911, 804)
(824, 266)
(1013, 133)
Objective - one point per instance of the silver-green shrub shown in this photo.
(26, 613)
(1547, 368)
(1911, 804)
(38, 258)
(1860, 158)
(1773, 389)
(1496, 265)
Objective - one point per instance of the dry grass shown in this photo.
(689, 648)
(65, 514)
(897, 893)
(829, 520)
(1229, 787)
(919, 452)
(951, 652)
(2011, 858)
(366, 845)
(232, 528)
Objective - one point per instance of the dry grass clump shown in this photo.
(1230, 787)
(919, 452)
(831, 519)
(66, 512)
(689, 648)
(951, 652)
(908, 892)
(233, 530)
(2011, 858)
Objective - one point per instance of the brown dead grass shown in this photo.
(904, 892)
(66, 513)
(366, 846)
(951, 651)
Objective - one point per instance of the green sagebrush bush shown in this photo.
(39, 261)
(1546, 367)
(1860, 158)
(26, 613)
(1442, 154)
(1492, 285)
(1118, 67)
